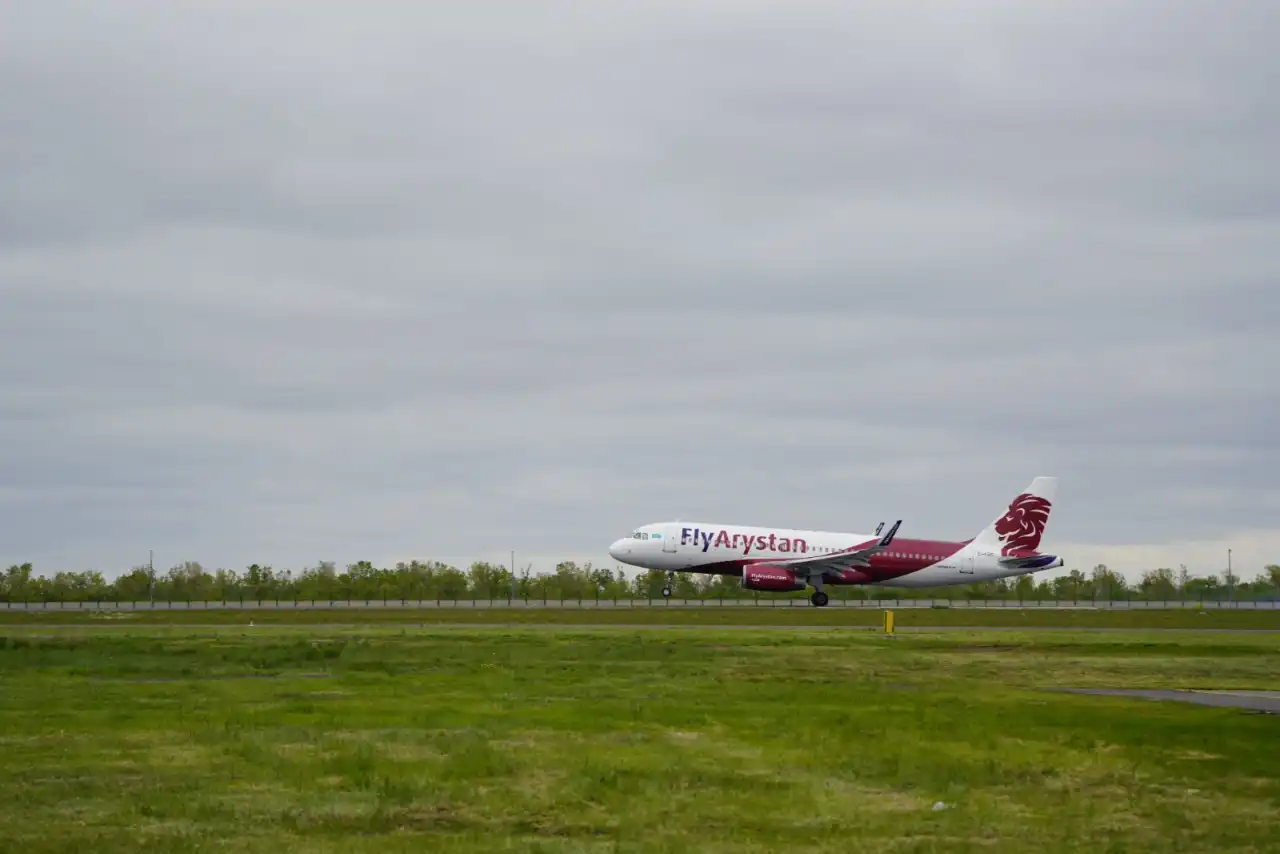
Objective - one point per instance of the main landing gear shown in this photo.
(818, 598)
(666, 588)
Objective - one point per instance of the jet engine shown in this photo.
(776, 579)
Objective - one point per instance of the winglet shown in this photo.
(888, 538)
(879, 528)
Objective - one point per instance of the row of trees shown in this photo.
(190, 582)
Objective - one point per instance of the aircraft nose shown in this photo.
(619, 549)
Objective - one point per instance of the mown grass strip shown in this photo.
(629, 740)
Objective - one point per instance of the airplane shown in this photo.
(785, 560)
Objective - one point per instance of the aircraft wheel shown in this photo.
(818, 598)
(666, 592)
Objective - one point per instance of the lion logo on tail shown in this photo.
(1021, 527)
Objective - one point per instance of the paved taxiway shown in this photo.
(1258, 701)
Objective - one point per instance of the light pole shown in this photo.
(1231, 579)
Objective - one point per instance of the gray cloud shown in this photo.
(443, 282)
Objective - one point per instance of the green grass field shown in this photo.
(323, 739)
(777, 612)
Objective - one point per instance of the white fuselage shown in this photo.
(706, 547)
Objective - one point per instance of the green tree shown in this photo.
(188, 582)
(725, 587)
(649, 584)
(1070, 587)
(1203, 588)
(15, 585)
(1024, 588)
(489, 581)
(1184, 578)
(259, 582)
(1106, 584)
(1158, 584)
(135, 586)
(226, 586)
(570, 581)
(451, 583)
(361, 581)
(685, 586)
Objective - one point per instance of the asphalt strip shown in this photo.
(1257, 701)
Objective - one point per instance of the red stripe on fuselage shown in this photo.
(902, 557)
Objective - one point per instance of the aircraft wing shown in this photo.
(858, 557)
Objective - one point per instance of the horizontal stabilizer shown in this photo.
(1030, 560)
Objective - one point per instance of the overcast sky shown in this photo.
(286, 282)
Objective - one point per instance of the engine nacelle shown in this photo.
(775, 579)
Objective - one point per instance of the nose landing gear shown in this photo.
(666, 588)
